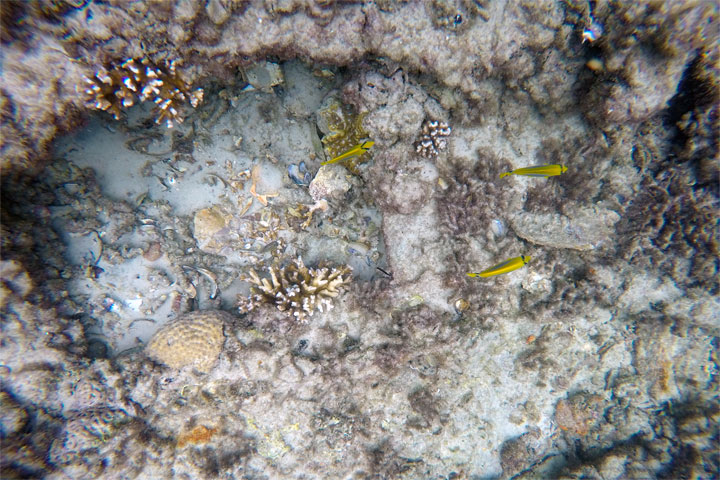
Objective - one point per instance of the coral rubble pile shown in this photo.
(117, 87)
(297, 289)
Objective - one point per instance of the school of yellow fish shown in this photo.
(514, 263)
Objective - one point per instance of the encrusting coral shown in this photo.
(198, 435)
(297, 289)
(346, 131)
(86, 430)
(118, 86)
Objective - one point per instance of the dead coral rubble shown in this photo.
(297, 289)
(117, 87)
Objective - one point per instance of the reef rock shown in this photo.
(583, 231)
(330, 182)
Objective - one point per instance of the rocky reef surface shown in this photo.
(219, 299)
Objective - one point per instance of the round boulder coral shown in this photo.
(195, 338)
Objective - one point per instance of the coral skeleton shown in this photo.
(297, 289)
(261, 228)
(433, 139)
(120, 86)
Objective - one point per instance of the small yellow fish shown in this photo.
(504, 267)
(358, 149)
(538, 171)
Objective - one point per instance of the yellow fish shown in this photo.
(538, 171)
(358, 149)
(504, 267)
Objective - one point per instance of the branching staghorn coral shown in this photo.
(297, 289)
(119, 86)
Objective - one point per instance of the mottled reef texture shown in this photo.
(597, 360)
(529, 47)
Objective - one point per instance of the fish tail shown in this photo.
(503, 175)
(472, 274)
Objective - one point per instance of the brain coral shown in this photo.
(195, 338)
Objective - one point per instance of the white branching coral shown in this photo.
(297, 289)
(433, 138)
(117, 87)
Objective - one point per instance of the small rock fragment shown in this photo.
(329, 183)
(153, 252)
(15, 282)
(517, 453)
(208, 223)
(264, 75)
(578, 414)
(216, 12)
(13, 416)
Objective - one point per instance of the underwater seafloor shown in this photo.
(211, 301)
